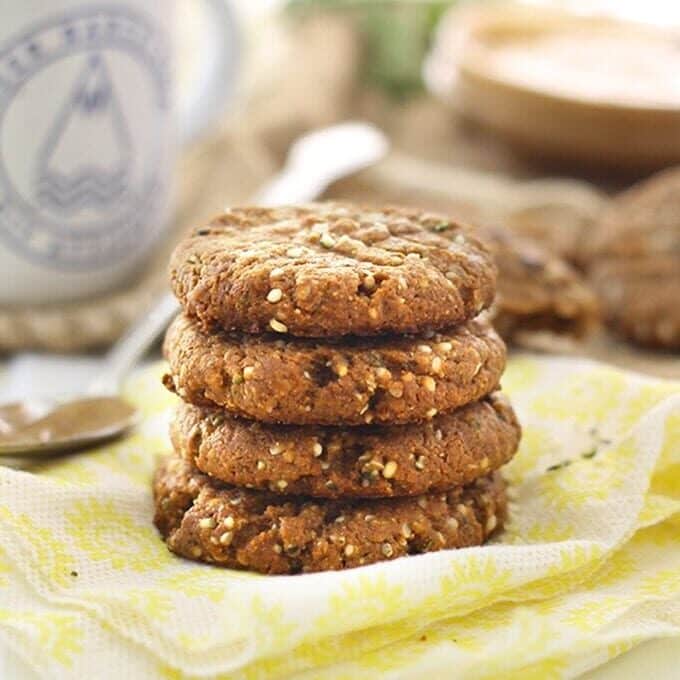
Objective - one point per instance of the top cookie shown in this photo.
(329, 269)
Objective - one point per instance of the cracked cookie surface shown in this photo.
(206, 520)
(452, 449)
(345, 381)
(330, 269)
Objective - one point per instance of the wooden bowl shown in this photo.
(568, 88)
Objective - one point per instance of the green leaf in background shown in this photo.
(397, 35)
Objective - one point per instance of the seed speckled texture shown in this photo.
(633, 260)
(331, 462)
(351, 381)
(206, 520)
(330, 269)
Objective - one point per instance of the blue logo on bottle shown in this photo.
(87, 184)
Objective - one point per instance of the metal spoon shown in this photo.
(38, 427)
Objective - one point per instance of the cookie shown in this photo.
(554, 214)
(329, 269)
(638, 222)
(538, 291)
(640, 298)
(452, 449)
(633, 261)
(206, 520)
(348, 381)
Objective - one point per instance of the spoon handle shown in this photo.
(134, 345)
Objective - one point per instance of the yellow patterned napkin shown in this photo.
(588, 567)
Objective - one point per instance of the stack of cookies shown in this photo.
(339, 380)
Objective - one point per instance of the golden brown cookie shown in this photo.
(329, 269)
(633, 260)
(206, 520)
(348, 381)
(452, 449)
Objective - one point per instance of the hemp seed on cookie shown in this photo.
(343, 381)
(450, 450)
(329, 269)
(206, 520)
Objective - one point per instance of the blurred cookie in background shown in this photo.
(538, 291)
(571, 89)
(555, 214)
(632, 257)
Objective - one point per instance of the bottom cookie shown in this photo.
(206, 520)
